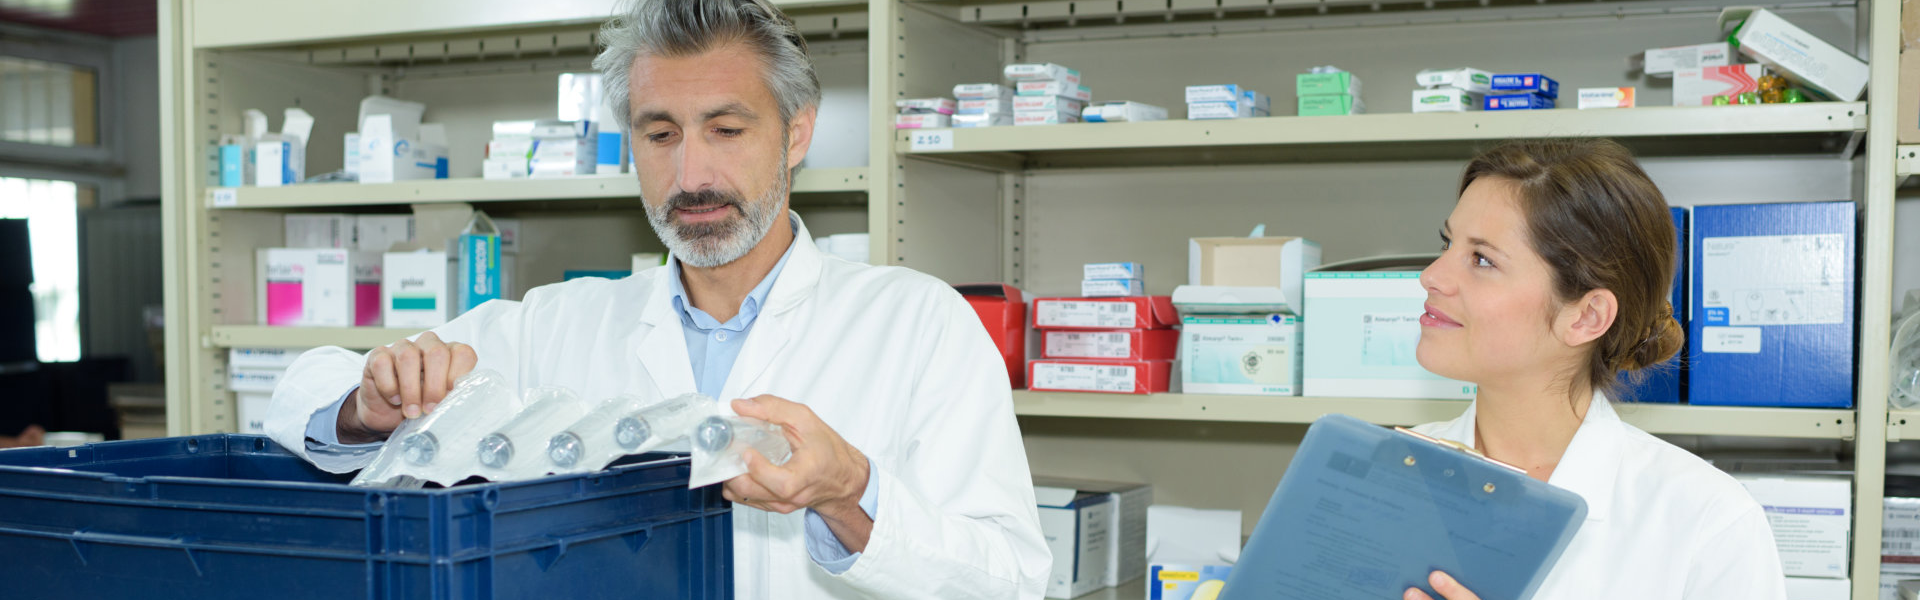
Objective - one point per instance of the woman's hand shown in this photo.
(1448, 588)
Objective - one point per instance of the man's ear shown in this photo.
(800, 135)
(1588, 318)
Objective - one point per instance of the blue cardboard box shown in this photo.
(1772, 311)
(1663, 383)
(1528, 83)
(1518, 102)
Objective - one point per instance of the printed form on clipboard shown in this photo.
(1365, 512)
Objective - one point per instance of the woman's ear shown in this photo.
(1588, 318)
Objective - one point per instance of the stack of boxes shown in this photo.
(1523, 91)
(983, 105)
(1047, 94)
(1097, 531)
(1105, 280)
(252, 374)
(923, 113)
(1226, 101)
(1811, 515)
(1450, 90)
(330, 273)
(1240, 315)
(1120, 345)
(1328, 91)
(542, 149)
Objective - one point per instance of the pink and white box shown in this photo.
(305, 287)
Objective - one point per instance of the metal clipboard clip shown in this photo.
(1463, 448)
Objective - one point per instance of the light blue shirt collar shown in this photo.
(749, 308)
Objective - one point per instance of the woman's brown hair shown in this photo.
(1600, 223)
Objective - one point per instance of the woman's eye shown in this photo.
(1481, 261)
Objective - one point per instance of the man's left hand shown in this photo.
(825, 474)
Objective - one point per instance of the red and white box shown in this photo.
(1003, 310)
(1100, 376)
(1698, 87)
(1125, 312)
(1125, 344)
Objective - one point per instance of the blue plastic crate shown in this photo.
(236, 516)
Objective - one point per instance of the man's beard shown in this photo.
(715, 243)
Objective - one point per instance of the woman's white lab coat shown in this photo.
(1662, 524)
(893, 360)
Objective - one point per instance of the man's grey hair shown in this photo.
(681, 28)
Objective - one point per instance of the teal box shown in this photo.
(479, 270)
(1362, 339)
(1255, 355)
(1181, 582)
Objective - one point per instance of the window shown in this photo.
(47, 103)
(51, 209)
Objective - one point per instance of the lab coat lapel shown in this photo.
(773, 327)
(662, 348)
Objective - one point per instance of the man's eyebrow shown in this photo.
(650, 117)
(732, 109)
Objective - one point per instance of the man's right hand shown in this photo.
(402, 381)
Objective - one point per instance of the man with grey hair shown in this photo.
(907, 478)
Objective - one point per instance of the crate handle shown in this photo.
(82, 539)
(636, 539)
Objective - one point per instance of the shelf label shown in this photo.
(932, 139)
(225, 197)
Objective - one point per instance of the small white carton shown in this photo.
(1108, 288)
(986, 120)
(1113, 270)
(1123, 112)
(253, 407)
(1042, 72)
(1078, 528)
(1127, 554)
(1053, 88)
(981, 91)
(413, 289)
(1464, 78)
(1445, 99)
(1592, 98)
(1047, 103)
(1044, 117)
(922, 121)
(319, 230)
(985, 106)
(1812, 519)
(263, 358)
(378, 233)
(1791, 51)
(1662, 62)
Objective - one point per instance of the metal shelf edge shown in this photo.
(260, 336)
(1653, 418)
(1833, 117)
(807, 181)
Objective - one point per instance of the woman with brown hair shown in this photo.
(1553, 278)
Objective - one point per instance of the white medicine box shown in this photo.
(1362, 332)
(1812, 520)
(413, 289)
(1078, 529)
(1256, 355)
(1127, 523)
(304, 287)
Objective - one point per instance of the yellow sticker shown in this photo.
(1179, 575)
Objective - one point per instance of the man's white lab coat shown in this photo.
(892, 359)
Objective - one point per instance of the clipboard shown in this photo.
(1365, 512)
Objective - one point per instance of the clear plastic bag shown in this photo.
(518, 450)
(621, 426)
(1904, 363)
(720, 443)
(438, 447)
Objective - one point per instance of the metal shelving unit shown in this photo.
(1028, 205)
(1654, 418)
